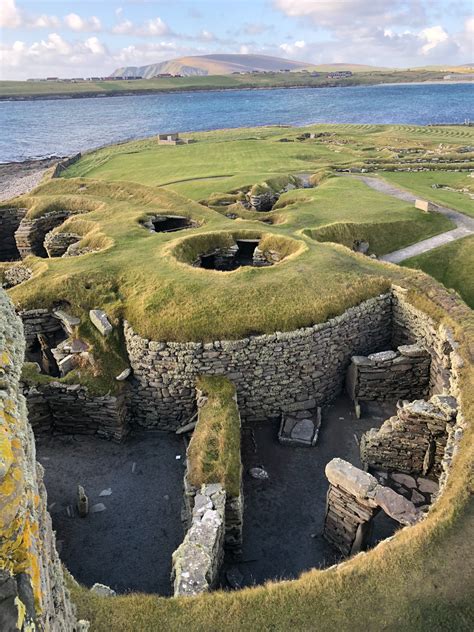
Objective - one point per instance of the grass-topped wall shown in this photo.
(214, 449)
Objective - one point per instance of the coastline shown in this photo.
(189, 89)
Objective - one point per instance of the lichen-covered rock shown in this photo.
(196, 562)
(32, 576)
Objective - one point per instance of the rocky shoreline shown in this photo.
(17, 178)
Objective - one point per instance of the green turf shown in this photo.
(422, 184)
(452, 265)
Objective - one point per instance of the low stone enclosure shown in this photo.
(289, 375)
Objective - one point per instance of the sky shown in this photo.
(74, 39)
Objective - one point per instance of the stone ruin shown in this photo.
(168, 223)
(354, 498)
(245, 252)
(414, 440)
(197, 561)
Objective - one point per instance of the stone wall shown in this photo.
(10, 219)
(33, 595)
(197, 561)
(414, 440)
(389, 375)
(289, 372)
(411, 325)
(64, 164)
(56, 244)
(31, 233)
(39, 321)
(354, 497)
(234, 505)
(71, 409)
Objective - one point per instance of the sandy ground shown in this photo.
(17, 178)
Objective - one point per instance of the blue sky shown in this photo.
(93, 38)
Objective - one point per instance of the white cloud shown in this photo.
(10, 15)
(293, 49)
(151, 28)
(433, 36)
(76, 23)
(44, 22)
(206, 36)
(244, 50)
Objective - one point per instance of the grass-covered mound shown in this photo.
(139, 275)
(383, 237)
(214, 450)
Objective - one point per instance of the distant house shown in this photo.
(340, 74)
(52, 78)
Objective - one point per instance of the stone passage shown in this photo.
(33, 595)
(10, 219)
(354, 497)
(290, 372)
(414, 441)
(389, 375)
(196, 562)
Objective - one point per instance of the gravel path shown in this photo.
(17, 178)
(465, 224)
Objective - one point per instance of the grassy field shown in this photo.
(452, 265)
(48, 89)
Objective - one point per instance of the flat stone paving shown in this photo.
(284, 514)
(129, 545)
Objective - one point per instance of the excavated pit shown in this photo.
(169, 223)
(226, 260)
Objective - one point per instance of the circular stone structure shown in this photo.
(226, 252)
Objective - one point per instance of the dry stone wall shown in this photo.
(31, 233)
(390, 375)
(197, 561)
(39, 321)
(354, 497)
(289, 372)
(411, 325)
(71, 409)
(10, 219)
(33, 595)
(414, 440)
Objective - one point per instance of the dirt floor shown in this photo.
(284, 515)
(129, 545)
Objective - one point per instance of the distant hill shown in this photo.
(210, 65)
(227, 64)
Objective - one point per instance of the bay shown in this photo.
(40, 128)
